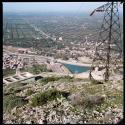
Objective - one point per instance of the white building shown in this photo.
(60, 38)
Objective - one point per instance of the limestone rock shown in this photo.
(28, 122)
(96, 99)
(40, 121)
(96, 112)
(76, 98)
(115, 121)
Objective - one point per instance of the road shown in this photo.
(41, 32)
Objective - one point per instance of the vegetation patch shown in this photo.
(8, 72)
(91, 101)
(43, 98)
(14, 88)
(115, 97)
(45, 80)
(11, 101)
(96, 81)
(17, 84)
(67, 79)
(36, 69)
(29, 92)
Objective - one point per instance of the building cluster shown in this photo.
(12, 62)
(15, 62)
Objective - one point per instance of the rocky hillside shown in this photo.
(63, 100)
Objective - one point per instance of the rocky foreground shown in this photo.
(63, 100)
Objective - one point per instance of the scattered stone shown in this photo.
(44, 121)
(85, 122)
(14, 110)
(9, 122)
(115, 121)
(95, 112)
(109, 108)
(103, 111)
(80, 122)
(109, 113)
(101, 115)
(28, 122)
(63, 110)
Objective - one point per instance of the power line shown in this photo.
(108, 49)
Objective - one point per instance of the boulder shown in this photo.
(96, 99)
(76, 99)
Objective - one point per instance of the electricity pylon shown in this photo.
(108, 48)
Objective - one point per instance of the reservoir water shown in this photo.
(76, 69)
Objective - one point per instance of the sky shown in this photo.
(52, 6)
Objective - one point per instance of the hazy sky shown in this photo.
(52, 6)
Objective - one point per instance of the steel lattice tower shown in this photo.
(108, 48)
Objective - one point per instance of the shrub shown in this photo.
(36, 69)
(68, 78)
(49, 79)
(15, 85)
(11, 101)
(45, 80)
(7, 72)
(43, 98)
(29, 92)
(96, 82)
(14, 88)
(17, 90)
